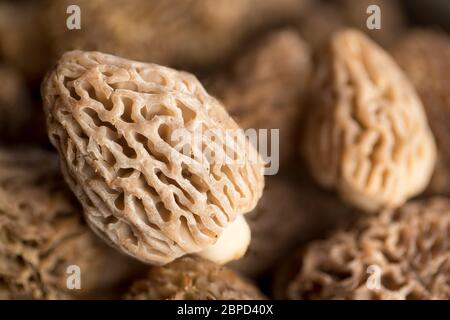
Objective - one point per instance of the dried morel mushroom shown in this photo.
(402, 254)
(287, 215)
(367, 134)
(265, 87)
(325, 17)
(14, 105)
(192, 278)
(42, 235)
(178, 33)
(424, 55)
(116, 122)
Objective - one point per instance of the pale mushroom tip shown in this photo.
(231, 245)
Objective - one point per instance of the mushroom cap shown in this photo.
(408, 247)
(144, 149)
(367, 134)
(42, 233)
(192, 278)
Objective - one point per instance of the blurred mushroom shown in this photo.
(325, 17)
(290, 213)
(265, 87)
(43, 240)
(191, 278)
(424, 55)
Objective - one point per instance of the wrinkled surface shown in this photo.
(192, 278)
(292, 213)
(181, 33)
(41, 233)
(113, 122)
(265, 86)
(325, 17)
(424, 55)
(409, 248)
(367, 134)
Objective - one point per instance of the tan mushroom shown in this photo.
(323, 18)
(43, 241)
(400, 254)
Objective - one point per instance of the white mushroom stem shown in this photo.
(231, 245)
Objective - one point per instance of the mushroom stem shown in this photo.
(231, 245)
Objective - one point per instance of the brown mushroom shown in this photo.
(191, 278)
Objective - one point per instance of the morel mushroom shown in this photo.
(265, 87)
(43, 241)
(431, 78)
(367, 134)
(116, 124)
(191, 278)
(400, 254)
(325, 17)
(292, 213)
(15, 105)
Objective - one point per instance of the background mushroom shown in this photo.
(191, 278)
(42, 235)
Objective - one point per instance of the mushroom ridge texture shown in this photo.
(367, 134)
(264, 88)
(42, 233)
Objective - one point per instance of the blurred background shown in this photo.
(425, 13)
